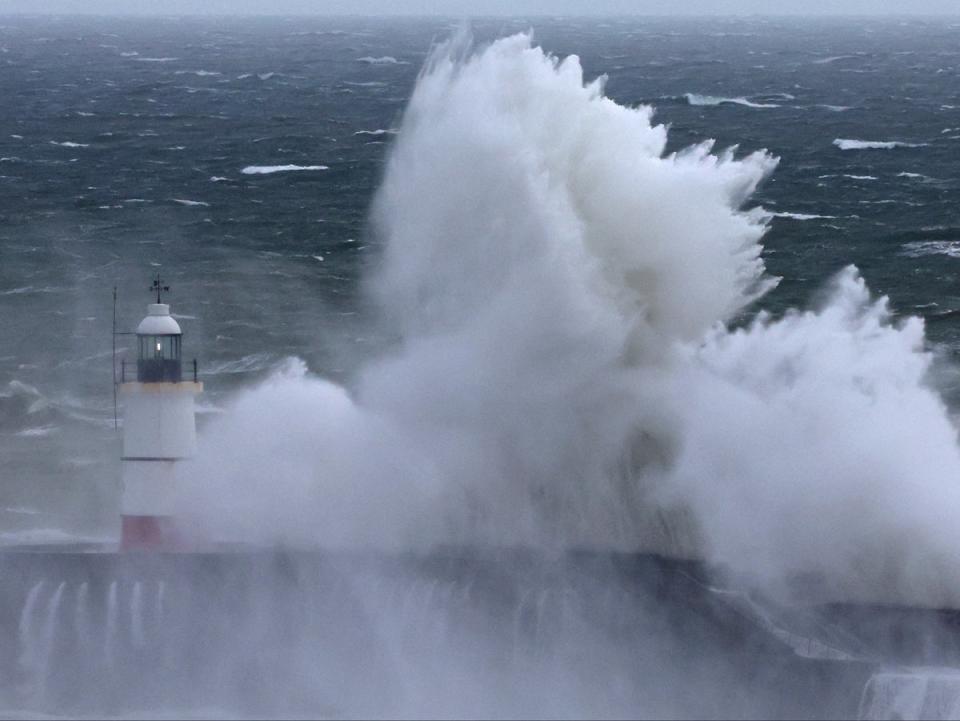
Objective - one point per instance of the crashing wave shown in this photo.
(573, 368)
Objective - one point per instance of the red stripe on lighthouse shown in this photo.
(140, 533)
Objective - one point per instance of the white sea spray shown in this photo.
(565, 375)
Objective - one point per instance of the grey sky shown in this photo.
(483, 7)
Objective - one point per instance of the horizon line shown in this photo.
(499, 15)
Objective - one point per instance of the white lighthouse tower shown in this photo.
(159, 430)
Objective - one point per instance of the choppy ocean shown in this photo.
(239, 157)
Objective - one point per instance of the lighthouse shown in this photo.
(159, 430)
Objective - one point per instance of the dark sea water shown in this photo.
(123, 144)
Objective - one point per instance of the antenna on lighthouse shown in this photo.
(159, 287)
(114, 358)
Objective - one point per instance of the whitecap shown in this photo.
(21, 511)
(384, 60)
(833, 59)
(265, 76)
(84, 114)
(198, 73)
(38, 432)
(921, 248)
(268, 169)
(834, 108)
(191, 203)
(378, 131)
(317, 257)
(368, 84)
(17, 137)
(246, 364)
(34, 289)
(217, 178)
(131, 54)
(860, 177)
(710, 100)
(69, 144)
(853, 144)
(915, 176)
(803, 216)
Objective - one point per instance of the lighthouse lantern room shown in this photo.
(159, 431)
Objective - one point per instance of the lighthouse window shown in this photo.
(159, 358)
(160, 347)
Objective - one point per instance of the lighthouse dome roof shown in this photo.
(158, 321)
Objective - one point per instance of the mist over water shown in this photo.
(574, 365)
